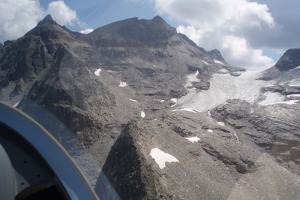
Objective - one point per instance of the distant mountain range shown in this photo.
(162, 117)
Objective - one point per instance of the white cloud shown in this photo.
(223, 25)
(62, 13)
(86, 31)
(237, 50)
(19, 16)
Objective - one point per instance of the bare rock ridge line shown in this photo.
(162, 117)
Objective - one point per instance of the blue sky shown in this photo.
(251, 34)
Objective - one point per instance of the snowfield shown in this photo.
(223, 87)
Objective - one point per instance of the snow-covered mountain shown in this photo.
(162, 117)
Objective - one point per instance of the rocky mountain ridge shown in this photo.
(163, 118)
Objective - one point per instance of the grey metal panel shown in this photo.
(54, 154)
(7, 177)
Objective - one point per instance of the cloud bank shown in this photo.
(19, 16)
(232, 26)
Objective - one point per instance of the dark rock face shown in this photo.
(289, 60)
(123, 165)
(126, 164)
(115, 89)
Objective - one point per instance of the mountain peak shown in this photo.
(289, 60)
(158, 18)
(47, 20)
(136, 31)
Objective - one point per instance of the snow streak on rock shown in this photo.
(161, 157)
(205, 62)
(16, 104)
(219, 62)
(289, 102)
(193, 139)
(187, 110)
(133, 100)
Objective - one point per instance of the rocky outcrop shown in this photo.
(283, 69)
(272, 128)
(289, 60)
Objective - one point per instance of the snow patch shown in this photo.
(209, 130)
(86, 31)
(161, 157)
(193, 139)
(97, 72)
(161, 101)
(223, 71)
(191, 78)
(123, 84)
(221, 123)
(143, 114)
(174, 100)
(219, 62)
(133, 100)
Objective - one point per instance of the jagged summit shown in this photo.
(48, 29)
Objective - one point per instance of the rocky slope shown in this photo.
(162, 117)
